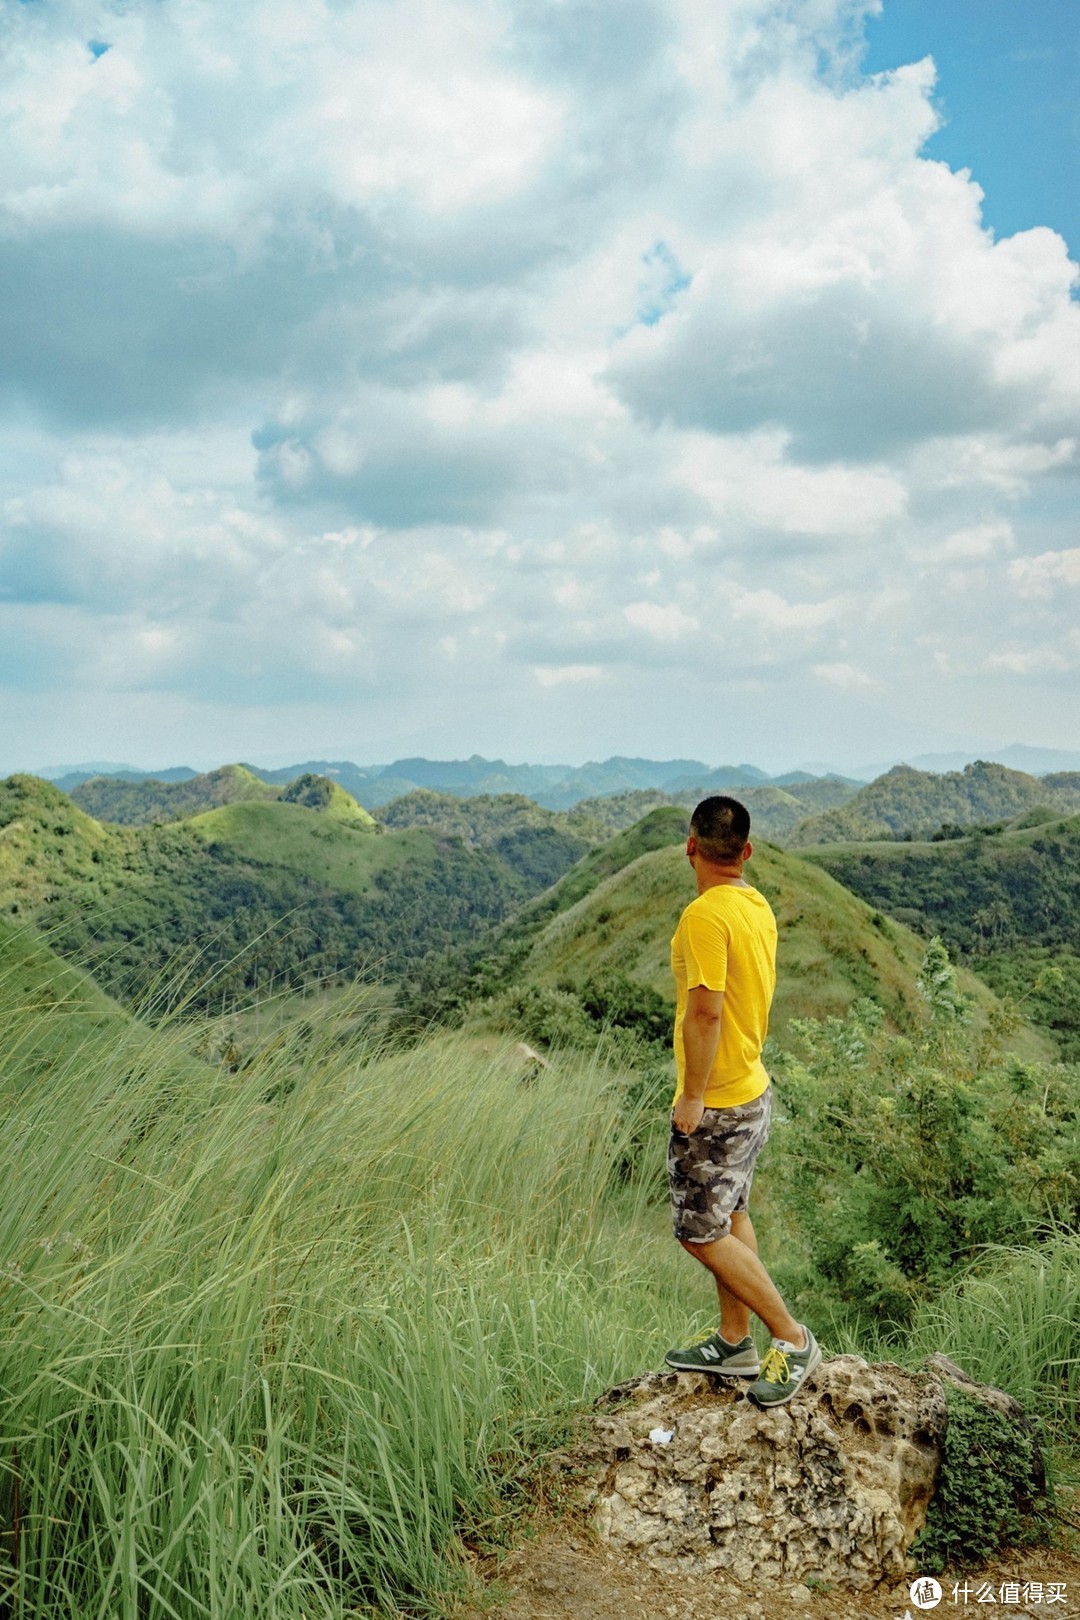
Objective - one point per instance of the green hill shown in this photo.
(1007, 902)
(775, 808)
(247, 896)
(538, 843)
(320, 793)
(833, 948)
(52, 1013)
(609, 921)
(906, 803)
(150, 801)
(290, 836)
(1016, 886)
(59, 1026)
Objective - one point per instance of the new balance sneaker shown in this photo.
(715, 1355)
(784, 1370)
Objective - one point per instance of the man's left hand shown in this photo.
(686, 1114)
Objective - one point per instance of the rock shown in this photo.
(832, 1486)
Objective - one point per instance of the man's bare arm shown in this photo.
(701, 1037)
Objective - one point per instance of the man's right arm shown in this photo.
(701, 1038)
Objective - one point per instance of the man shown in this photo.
(723, 957)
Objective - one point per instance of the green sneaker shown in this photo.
(715, 1355)
(784, 1370)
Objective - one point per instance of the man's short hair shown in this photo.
(720, 827)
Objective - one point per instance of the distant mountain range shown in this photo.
(555, 787)
(1018, 757)
(558, 787)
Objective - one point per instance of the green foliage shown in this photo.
(247, 898)
(980, 893)
(775, 810)
(149, 801)
(991, 1492)
(906, 803)
(1010, 1321)
(1008, 902)
(903, 1156)
(1044, 983)
(621, 1003)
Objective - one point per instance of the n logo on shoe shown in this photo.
(710, 1352)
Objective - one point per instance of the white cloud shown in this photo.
(979, 541)
(665, 621)
(1041, 576)
(569, 674)
(350, 349)
(1030, 661)
(848, 677)
(771, 612)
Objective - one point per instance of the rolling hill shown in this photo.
(610, 920)
(150, 801)
(58, 1024)
(905, 803)
(251, 894)
(833, 948)
(1007, 902)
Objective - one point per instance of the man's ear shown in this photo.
(748, 851)
(691, 846)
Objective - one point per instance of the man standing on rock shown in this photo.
(723, 957)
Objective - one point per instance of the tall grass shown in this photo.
(271, 1342)
(274, 1343)
(1015, 1322)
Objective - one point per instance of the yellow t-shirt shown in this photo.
(726, 940)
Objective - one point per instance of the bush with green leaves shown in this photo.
(991, 1490)
(900, 1157)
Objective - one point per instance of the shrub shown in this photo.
(903, 1157)
(991, 1491)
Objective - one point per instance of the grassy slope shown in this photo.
(34, 982)
(337, 853)
(109, 798)
(59, 1025)
(150, 802)
(1010, 902)
(831, 948)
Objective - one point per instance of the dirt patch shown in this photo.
(565, 1573)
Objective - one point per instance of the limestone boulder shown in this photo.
(688, 1474)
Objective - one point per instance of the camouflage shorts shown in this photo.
(710, 1171)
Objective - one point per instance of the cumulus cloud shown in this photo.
(1042, 575)
(665, 621)
(541, 357)
(848, 677)
(569, 674)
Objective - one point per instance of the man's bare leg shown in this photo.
(738, 1272)
(734, 1315)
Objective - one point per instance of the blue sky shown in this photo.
(552, 380)
(1009, 96)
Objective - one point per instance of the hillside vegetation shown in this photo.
(248, 896)
(906, 803)
(82, 1024)
(150, 801)
(775, 809)
(601, 939)
(1007, 902)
